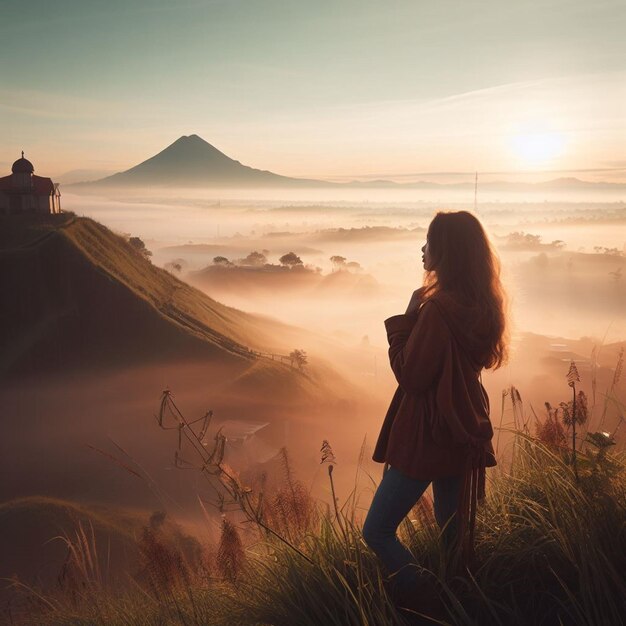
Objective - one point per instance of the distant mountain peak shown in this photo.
(192, 142)
(191, 139)
(191, 161)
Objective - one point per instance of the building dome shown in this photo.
(22, 166)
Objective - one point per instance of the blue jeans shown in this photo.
(395, 497)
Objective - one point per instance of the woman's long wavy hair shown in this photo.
(466, 266)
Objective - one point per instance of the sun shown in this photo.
(535, 148)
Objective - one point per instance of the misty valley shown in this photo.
(184, 367)
(106, 331)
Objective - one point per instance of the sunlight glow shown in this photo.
(535, 148)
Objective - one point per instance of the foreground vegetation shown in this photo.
(550, 551)
(551, 543)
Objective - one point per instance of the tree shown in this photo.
(605, 250)
(221, 260)
(140, 247)
(298, 358)
(290, 259)
(338, 262)
(523, 239)
(174, 266)
(254, 258)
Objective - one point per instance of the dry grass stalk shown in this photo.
(81, 571)
(231, 558)
(505, 393)
(291, 511)
(162, 566)
(594, 375)
(551, 432)
(328, 457)
(572, 379)
(424, 511)
(617, 374)
(293, 502)
(230, 493)
(521, 423)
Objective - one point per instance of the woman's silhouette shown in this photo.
(437, 427)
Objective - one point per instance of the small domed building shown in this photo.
(23, 192)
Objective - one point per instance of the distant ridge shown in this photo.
(193, 162)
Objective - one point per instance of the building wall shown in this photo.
(22, 180)
(12, 203)
(43, 204)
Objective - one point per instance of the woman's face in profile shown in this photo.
(426, 258)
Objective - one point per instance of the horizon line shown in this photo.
(471, 173)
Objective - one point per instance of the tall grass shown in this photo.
(550, 550)
(550, 547)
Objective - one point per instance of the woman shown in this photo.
(437, 427)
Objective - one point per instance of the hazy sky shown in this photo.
(340, 88)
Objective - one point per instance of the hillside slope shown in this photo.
(31, 530)
(80, 297)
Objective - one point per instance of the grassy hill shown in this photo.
(36, 531)
(29, 525)
(81, 297)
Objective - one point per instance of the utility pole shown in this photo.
(476, 193)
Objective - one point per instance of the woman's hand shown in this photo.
(415, 301)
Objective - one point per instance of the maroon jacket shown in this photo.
(438, 421)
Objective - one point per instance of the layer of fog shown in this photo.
(545, 293)
(562, 268)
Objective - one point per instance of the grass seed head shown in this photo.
(230, 557)
(572, 375)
